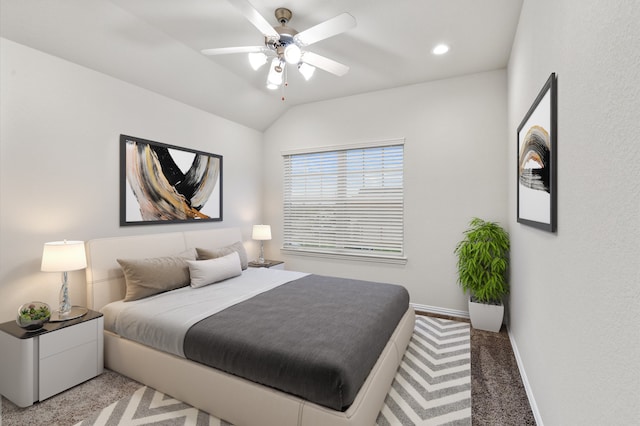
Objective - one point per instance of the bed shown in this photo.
(227, 396)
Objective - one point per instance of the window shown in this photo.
(345, 201)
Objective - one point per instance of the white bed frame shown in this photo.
(233, 399)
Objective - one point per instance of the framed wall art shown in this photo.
(162, 183)
(537, 161)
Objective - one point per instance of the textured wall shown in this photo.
(455, 165)
(575, 294)
(59, 164)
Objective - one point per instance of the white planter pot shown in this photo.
(486, 317)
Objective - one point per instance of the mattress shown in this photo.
(312, 336)
(161, 321)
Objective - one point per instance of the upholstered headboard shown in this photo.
(105, 280)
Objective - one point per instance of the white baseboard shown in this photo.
(440, 311)
(525, 381)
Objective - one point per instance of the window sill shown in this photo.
(344, 256)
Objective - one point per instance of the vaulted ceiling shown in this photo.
(156, 44)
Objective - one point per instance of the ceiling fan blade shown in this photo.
(324, 63)
(255, 18)
(326, 29)
(227, 50)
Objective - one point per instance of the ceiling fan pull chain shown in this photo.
(286, 81)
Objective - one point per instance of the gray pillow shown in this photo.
(204, 254)
(146, 277)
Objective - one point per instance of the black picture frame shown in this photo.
(162, 183)
(536, 162)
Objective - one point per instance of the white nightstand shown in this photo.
(35, 366)
(272, 264)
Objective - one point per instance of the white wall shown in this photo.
(455, 168)
(575, 295)
(59, 167)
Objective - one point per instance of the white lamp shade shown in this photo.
(261, 232)
(63, 256)
(274, 78)
(257, 59)
(306, 70)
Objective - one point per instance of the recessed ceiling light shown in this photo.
(440, 49)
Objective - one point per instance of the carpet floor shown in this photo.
(497, 394)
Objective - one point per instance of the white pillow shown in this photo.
(205, 272)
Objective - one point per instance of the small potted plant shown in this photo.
(483, 261)
(32, 316)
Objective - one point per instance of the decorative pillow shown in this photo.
(189, 254)
(146, 277)
(205, 254)
(205, 272)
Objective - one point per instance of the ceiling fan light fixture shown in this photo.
(275, 77)
(257, 59)
(286, 44)
(306, 70)
(292, 54)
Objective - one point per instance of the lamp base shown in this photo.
(75, 312)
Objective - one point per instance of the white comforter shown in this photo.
(161, 321)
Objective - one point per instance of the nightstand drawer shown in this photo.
(67, 338)
(66, 369)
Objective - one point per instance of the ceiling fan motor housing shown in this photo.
(286, 37)
(283, 15)
(286, 33)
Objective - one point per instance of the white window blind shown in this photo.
(346, 201)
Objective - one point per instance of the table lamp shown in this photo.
(64, 256)
(261, 233)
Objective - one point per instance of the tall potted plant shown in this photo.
(483, 261)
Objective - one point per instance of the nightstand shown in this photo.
(37, 365)
(273, 264)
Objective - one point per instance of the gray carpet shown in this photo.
(72, 406)
(498, 397)
(497, 393)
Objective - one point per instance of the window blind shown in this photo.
(345, 201)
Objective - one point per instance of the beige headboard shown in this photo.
(105, 280)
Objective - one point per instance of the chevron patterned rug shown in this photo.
(432, 387)
(147, 406)
(433, 383)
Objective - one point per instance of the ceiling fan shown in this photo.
(284, 45)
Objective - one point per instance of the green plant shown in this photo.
(483, 260)
(33, 313)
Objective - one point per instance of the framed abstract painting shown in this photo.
(537, 161)
(162, 183)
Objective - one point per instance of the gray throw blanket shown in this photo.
(316, 337)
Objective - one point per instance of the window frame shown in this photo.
(374, 256)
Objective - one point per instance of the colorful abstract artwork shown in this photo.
(537, 169)
(161, 183)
